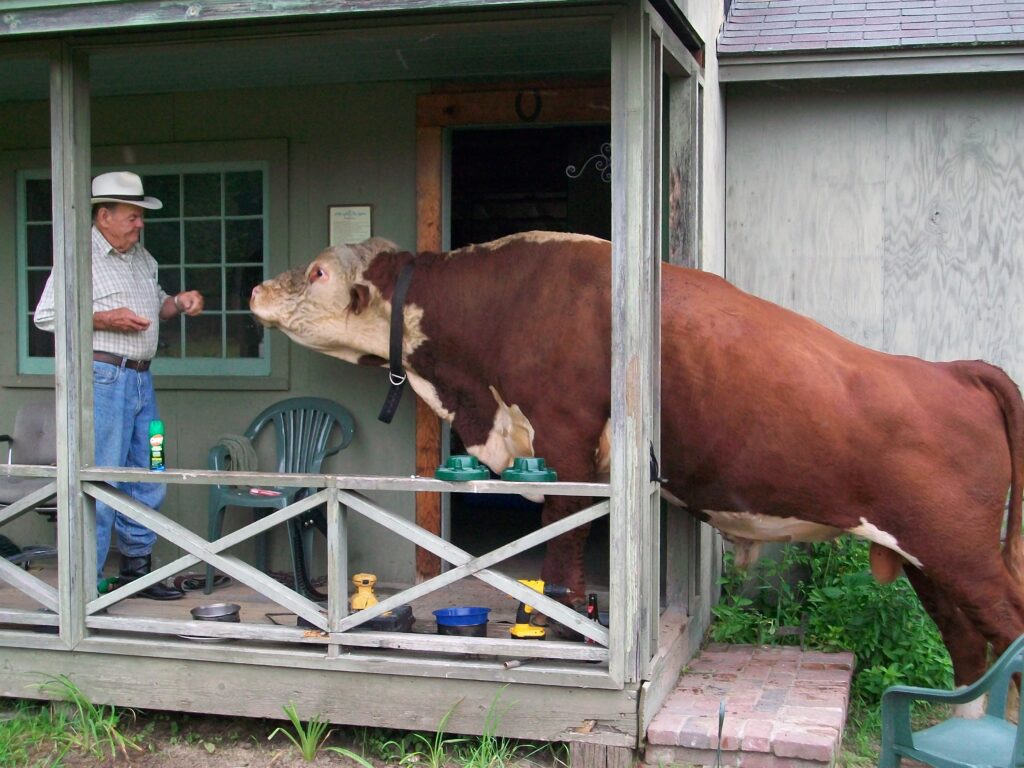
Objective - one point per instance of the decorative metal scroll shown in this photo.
(602, 164)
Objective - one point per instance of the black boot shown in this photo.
(133, 568)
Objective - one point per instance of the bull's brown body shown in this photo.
(763, 411)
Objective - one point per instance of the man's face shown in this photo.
(120, 225)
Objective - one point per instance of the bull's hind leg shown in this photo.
(967, 647)
(976, 581)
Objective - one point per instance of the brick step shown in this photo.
(784, 708)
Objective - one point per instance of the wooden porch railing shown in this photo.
(343, 496)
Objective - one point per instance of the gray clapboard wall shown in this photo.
(890, 212)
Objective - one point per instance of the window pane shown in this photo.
(40, 343)
(40, 245)
(202, 335)
(169, 344)
(166, 189)
(36, 283)
(243, 241)
(244, 336)
(202, 242)
(243, 193)
(240, 282)
(38, 200)
(207, 282)
(202, 194)
(170, 280)
(163, 240)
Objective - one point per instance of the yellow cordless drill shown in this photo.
(524, 628)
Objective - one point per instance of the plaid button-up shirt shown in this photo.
(118, 280)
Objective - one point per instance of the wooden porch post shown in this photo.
(635, 262)
(72, 280)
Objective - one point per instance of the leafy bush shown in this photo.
(827, 590)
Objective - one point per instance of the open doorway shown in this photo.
(507, 180)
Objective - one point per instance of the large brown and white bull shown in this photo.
(773, 427)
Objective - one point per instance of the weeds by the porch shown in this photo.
(44, 734)
(30, 738)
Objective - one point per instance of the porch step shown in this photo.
(784, 708)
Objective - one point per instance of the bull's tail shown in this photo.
(1009, 398)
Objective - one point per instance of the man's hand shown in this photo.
(121, 319)
(189, 303)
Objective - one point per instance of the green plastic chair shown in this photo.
(989, 742)
(302, 427)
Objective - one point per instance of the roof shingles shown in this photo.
(764, 26)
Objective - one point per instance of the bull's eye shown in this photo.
(317, 273)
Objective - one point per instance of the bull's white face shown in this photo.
(327, 305)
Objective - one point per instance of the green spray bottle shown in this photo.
(156, 445)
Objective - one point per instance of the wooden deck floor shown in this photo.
(256, 608)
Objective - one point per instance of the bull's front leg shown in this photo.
(563, 561)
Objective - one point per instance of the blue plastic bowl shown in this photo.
(461, 617)
(465, 621)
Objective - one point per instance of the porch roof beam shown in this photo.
(91, 16)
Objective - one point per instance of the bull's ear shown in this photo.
(359, 297)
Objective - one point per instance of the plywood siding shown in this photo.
(954, 271)
(888, 213)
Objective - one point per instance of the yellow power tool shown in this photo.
(363, 597)
(524, 628)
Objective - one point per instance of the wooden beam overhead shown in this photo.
(92, 16)
(533, 104)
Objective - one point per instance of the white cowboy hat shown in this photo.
(122, 187)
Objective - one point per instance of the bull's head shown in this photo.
(327, 305)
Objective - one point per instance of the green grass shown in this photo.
(422, 749)
(43, 734)
(36, 734)
(308, 737)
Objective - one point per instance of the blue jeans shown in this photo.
(123, 406)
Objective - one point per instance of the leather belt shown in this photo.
(135, 365)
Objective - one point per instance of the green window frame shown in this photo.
(212, 235)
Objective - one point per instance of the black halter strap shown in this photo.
(396, 372)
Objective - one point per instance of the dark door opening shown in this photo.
(516, 180)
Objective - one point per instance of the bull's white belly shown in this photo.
(757, 527)
(748, 529)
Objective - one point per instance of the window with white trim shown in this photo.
(211, 235)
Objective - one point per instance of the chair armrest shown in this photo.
(6, 439)
(908, 693)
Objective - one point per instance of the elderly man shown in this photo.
(127, 304)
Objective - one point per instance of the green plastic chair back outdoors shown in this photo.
(990, 741)
(302, 428)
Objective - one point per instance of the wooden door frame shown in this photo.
(509, 104)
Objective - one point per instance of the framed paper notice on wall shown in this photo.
(349, 223)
